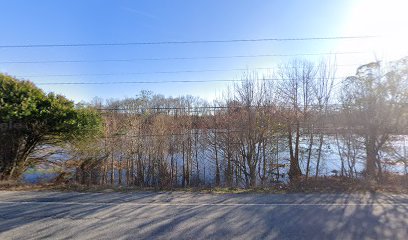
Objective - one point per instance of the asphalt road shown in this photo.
(53, 215)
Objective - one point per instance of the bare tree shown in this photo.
(322, 89)
(296, 95)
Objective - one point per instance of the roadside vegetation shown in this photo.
(277, 133)
(34, 124)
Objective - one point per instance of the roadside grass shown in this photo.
(11, 185)
(389, 184)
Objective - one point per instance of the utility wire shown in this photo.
(54, 45)
(177, 58)
(184, 134)
(142, 73)
(156, 72)
(161, 82)
(142, 82)
(198, 108)
(173, 134)
(141, 109)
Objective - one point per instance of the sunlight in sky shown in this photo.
(386, 19)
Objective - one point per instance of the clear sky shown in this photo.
(99, 21)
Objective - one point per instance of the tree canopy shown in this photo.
(375, 104)
(29, 118)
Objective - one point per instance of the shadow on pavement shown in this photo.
(107, 216)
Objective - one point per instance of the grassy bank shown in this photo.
(392, 184)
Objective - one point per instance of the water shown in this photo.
(39, 174)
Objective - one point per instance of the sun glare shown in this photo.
(386, 19)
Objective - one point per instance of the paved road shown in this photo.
(53, 215)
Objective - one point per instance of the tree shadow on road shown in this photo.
(114, 215)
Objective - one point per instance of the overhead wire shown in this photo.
(157, 72)
(58, 45)
(160, 82)
(176, 58)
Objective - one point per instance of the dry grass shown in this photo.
(390, 183)
(18, 186)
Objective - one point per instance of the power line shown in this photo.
(53, 45)
(206, 133)
(156, 72)
(198, 108)
(177, 58)
(174, 134)
(160, 82)
(141, 109)
(230, 107)
(143, 73)
(143, 82)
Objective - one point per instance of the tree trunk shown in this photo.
(319, 155)
(371, 158)
(264, 161)
(183, 183)
(196, 158)
(252, 176)
(112, 180)
(217, 167)
(120, 174)
(294, 168)
(309, 153)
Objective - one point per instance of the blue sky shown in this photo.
(82, 21)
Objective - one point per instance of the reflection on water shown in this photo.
(39, 174)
